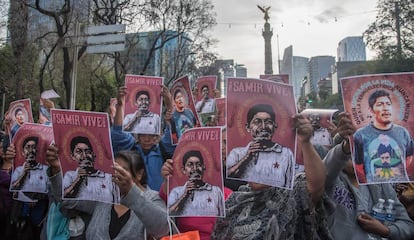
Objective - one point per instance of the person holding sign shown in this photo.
(142, 121)
(383, 131)
(140, 214)
(351, 204)
(86, 181)
(262, 160)
(267, 212)
(196, 197)
(31, 176)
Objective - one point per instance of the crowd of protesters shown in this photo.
(326, 201)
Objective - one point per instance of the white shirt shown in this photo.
(274, 166)
(147, 124)
(321, 136)
(97, 187)
(209, 106)
(35, 181)
(207, 200)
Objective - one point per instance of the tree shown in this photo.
(392, 33)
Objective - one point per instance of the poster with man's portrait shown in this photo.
(19, 112)
(261, 138)
(381, 108)
(196, 187)
(184, 116)
(29, 166)
(143, 104)
(323, 122)
(85, 155)
(209, 82)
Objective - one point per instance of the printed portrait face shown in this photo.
(179, 100)
(29, 150)
(261, 127)
(385, 158)
(382, 110)
(204, 91)
(143, 102)
(83, 155)
(19, 115)
(194, 168)
(315, 120)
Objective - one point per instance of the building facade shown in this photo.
(351, 49)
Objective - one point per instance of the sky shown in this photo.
(312, 27)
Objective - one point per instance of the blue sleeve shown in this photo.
(166, 140)
(121, 140)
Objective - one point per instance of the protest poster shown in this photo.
(323, 122)
(184, 116)
(198, 167)
(29, 166)
(85, 155)
(381, 109)
(19, 112)
(205, 100)
(143, 104)
(259, 117)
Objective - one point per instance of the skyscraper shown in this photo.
(319, 68)
(351, 49)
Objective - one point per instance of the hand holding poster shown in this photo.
(196, 188)
(260, 135)
(381, 108)
(85, 155)
(29, 166)
(143, 104)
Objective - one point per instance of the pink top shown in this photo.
(205, 225)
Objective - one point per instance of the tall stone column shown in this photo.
(267, 34)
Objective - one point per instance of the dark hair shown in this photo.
(143, 92)
(384, 149)
(377, 94)
(80, 139)
(135, 163)
(192, 153)
(260, 108)
(176, 92)
(35, 139)
(17, 110)
(204, 86)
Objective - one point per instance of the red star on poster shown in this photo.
(276, 165)
(208, 199)
(103, 186)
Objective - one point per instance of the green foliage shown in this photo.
(382, 35)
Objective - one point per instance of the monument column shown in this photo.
(267, 34)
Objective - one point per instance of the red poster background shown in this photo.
(136, 83)
(210, 150)
(239, 101)
(45, 135)
(65, 128)
(210, 81)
